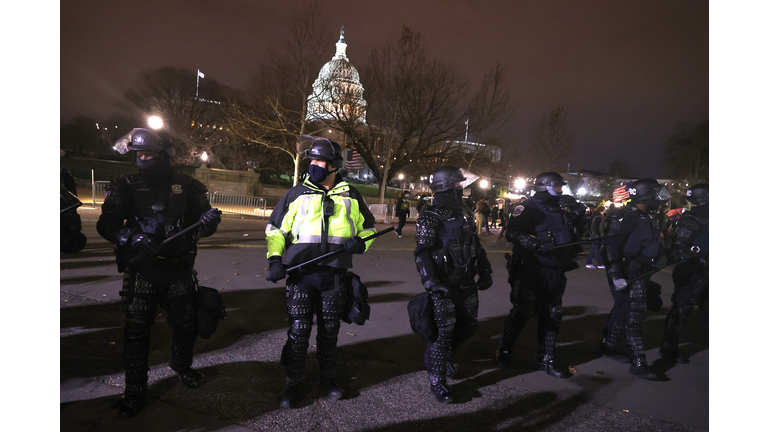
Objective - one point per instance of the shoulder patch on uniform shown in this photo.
(517, 210)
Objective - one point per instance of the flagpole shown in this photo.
(197, 91)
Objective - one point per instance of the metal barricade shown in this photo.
(98, 192)
(239, 204)
(379, 211)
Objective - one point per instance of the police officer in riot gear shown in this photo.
(140, 211)
(71, 239)
(448, 257)
(634, 250)
(690, 250)
(537, 268)
(320, 215)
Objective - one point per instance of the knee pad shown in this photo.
(555, 314)
(301, 329)
(444, 312)
(137, 325)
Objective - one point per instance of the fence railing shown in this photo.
(98, 192)
(239, 204)
(379, 212)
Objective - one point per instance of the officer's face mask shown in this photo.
(317, 173)
(451, 198)
(153, 165)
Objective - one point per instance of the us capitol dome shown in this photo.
(337, 92)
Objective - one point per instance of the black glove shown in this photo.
(276, 269)
(211, 218)
(660, 262)
(544, 247)
(485, 281)
(145, 245)
(354, 245)
(436, 288)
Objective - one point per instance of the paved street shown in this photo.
(380, 363)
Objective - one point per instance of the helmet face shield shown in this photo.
(662, 194)
(144, 140)
(121, 145)
(469, 178)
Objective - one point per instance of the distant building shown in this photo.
(337, 91)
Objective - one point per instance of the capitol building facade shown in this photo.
(337, 92)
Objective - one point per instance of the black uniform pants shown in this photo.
(536, 290)
(456, 320)
(401, 217)
(691, 289)
(139, 300)
(318, 291)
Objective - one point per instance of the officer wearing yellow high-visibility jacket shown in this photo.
(321, 215)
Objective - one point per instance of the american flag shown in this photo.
(674, 214)
(621, 193)
(354, 160)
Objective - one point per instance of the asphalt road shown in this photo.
(380, 363)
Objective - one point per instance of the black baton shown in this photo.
(332, 253)
(136, 258)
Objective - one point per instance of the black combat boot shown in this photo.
(331, 387)
(673, 355)
(612, 353)
(130, 404)
(641, 370)
(545, 356)
(290, 396)
(190, 377)
(503, 356)
(546, 363)
(440, 389)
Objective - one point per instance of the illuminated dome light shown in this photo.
(337, 90)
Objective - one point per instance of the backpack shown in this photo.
(210, 310)
(421, 316)
(356, 308)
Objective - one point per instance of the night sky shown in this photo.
(626, 71)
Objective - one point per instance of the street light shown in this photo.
(484, 184)
(204, 156)
(520, 184)
(155, 122)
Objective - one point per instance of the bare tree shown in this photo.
(551, 141)
(272, 111)
(194, 124)
(416, 109)
(687, 152)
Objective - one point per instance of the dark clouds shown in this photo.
(626, 71)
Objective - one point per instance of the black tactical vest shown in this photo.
(455, 245)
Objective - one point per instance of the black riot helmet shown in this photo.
(445, 178)
(323, 149)
(648, 191)
(698, 194)
(140, 139)
(551, 182)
